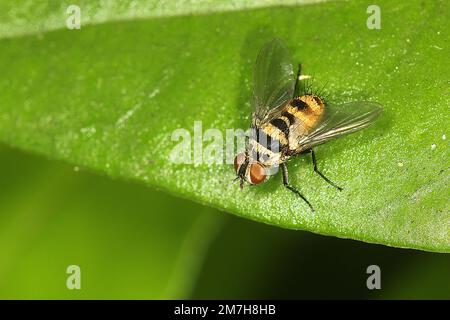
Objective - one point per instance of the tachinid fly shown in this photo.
(286, 124)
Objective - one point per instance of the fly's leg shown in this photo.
(320, 173)
(294, 190)
(299, 78)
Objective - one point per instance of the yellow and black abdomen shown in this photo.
(275, 138)
(307, 111)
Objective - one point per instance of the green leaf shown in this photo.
(109, 96)
(122, 236)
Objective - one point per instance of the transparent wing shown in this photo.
(273, 79)
(339, 120)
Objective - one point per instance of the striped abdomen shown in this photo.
(308, 111)
(281, 134)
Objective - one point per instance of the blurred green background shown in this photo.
(134, 242)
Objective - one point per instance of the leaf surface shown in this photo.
(109, 96)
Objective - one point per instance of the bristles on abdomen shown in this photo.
(307, 110)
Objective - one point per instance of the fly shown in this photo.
(286, 124)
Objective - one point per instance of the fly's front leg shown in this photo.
(287, 185)
(320, 173)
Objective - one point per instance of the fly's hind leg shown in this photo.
(313, 155)
(299, 78)
(294, 190)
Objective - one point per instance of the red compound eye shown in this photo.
(257, 173)
(238, 161)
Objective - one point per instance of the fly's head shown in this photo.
(248, 169)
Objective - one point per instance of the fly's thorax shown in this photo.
(266, 144)
(267, 156)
